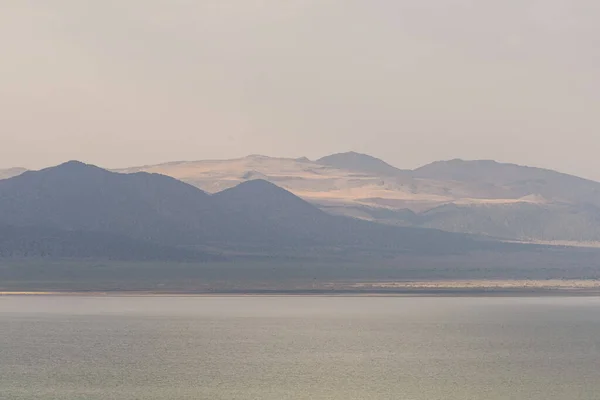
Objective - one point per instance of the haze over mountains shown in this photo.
(481, 197)
(10, 172)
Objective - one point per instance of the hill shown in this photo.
(271, 211)
(546, 205)
(518, 181)
(277, 213)
(358, 162)
(76, 196)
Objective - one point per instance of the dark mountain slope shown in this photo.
(261, 200)
(76, 196)
(268, 213)
(155, 208)
(274, 212)
(358, 162)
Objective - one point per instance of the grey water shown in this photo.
(414, 348)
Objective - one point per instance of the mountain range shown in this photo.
(482, 197)
(80, 210)
(345, 204)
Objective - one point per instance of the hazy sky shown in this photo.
(129, 82)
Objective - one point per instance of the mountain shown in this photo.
(11, 172)
(518, 181)
(537, 204)
(324, 185)
(277, 213)
(216, 175)
(358, 162)
(481, 197)
(273, 215)
(262, 202)
(78, 199)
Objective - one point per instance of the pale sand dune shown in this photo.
(323, 185)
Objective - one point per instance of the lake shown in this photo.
(413, 348)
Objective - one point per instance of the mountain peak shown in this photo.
(74, 164)
(255, 187)
(359, 162)
(71, 168)
(82, 197)
(260, 191)
(263, 183)
(268, 208)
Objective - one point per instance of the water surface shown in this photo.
(299, 348)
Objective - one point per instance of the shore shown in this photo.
(553, 287)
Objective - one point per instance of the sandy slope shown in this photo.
(331, 186)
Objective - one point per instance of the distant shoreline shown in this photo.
(450, 288)
(320, 293)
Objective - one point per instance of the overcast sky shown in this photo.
(130, 82)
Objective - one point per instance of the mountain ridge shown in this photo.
(154, 208)
(353, 161)
(40, 198)
(393, 195)
(486, 195)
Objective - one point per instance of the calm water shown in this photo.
(299, 348)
